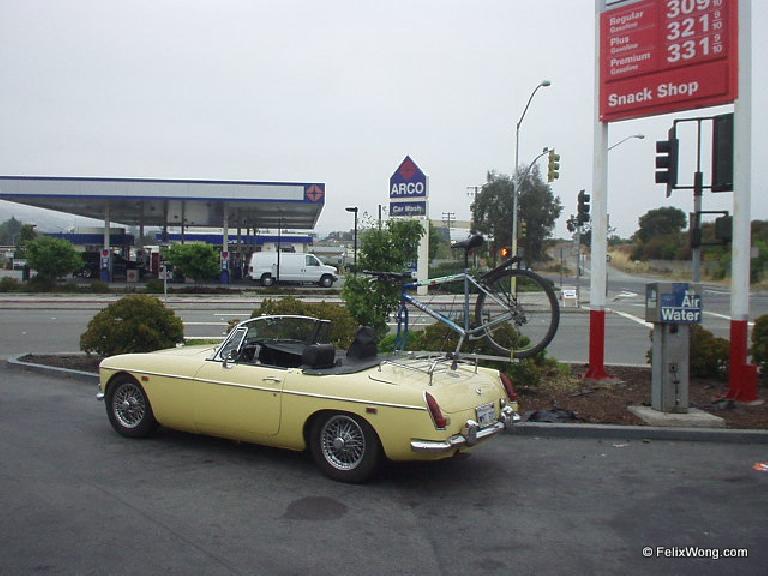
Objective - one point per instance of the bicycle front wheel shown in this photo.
(520, 323)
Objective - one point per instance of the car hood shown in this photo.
(199, 352)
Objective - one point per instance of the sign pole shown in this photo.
(742, 377)
(597, 281)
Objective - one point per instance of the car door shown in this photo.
(238, 400)
(311, 269)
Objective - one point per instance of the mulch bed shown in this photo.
(599, 404)
(606, 403)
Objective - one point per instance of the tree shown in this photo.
(439, 243)
(390, 249)
(660, 222)
(52, 257)
(10, 231)
(195, 260)
(538, 209)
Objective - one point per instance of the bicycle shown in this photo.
(532, 312)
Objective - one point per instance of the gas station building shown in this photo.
(221, 205)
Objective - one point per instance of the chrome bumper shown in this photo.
(470, 435)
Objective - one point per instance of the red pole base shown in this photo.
(596, 369)
(742, 377)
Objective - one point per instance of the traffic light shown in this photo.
(583, 213)
(505, 252)
(569, 224)
(553, 168)
(666, 161)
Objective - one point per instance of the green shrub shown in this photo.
(135, 323)
(41, 284)
(99, 287)
(343, 325)
(760, 343)
(709, 354)
(9, 285)
(52, 257)
(155, 286)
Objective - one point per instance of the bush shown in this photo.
(195, 260)
(343, 325)
(135, 323)
(99, 287)
(760, 343)
(155, 286)
(9, 285)
(529, 372)
(52, 257)
(709, 354)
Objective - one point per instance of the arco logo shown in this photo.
(315, 193)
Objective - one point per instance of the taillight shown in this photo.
(434, 411)
(507, 382)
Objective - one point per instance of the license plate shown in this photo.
(486, 415)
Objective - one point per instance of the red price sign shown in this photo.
(663, 56)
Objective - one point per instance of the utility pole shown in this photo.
(448, 217)
(473, 191)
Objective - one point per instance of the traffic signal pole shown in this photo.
(598, 279)
(742, 377)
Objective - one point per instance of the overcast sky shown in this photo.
(335, 91)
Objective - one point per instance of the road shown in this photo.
(79, 499)
(56, 324)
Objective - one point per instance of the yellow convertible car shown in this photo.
(276, 381)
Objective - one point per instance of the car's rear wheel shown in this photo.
(128, 408)
(345, 447)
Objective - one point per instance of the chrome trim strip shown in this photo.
(455, 441)
(355, 400)
(266, 389)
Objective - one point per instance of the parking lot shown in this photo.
(79, 499)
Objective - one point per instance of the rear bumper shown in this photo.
(470, 436)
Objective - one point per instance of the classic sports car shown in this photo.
(276, 381)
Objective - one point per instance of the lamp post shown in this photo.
(542, 84)
(636, 136)
(354, 209)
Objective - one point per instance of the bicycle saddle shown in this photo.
(474, 241)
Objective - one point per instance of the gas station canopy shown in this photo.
(150, 202)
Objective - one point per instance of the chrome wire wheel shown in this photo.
(129, 405)
(342, 442)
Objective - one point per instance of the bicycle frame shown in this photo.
(463, 331)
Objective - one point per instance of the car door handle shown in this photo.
(271, 379)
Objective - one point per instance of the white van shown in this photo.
(294, 267)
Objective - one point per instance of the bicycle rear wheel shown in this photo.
(522, 323)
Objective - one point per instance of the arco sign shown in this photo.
(661, 56)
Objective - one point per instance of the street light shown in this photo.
(354, 209)
(542, 84)
(636, 136)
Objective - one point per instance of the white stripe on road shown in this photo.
(724, 317)
(633, 318)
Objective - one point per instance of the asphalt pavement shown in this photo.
(79, 499)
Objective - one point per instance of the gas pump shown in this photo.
(225, 267)
(105, 268)
(672, 308)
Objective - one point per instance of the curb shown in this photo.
(14, 362)
(615, 432)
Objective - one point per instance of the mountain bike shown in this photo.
(515, 309)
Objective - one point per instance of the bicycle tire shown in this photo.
(535, 312)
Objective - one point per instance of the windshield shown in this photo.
(288, 329)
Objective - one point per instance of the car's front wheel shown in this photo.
(345, 447)
(326, 281)
(128, 408)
